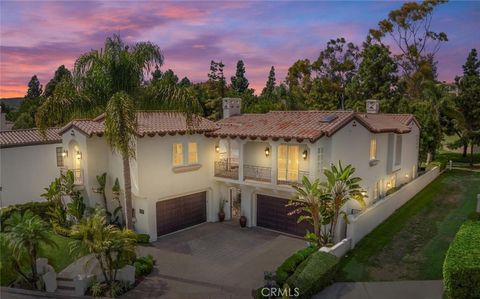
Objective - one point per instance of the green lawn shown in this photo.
(412, 243)
(59, 258)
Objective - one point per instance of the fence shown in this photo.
(362, 224)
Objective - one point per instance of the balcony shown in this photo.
(77, 175)
(227, 168)
(257, 173)
(301, 174)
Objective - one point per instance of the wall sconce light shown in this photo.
(64, 153)
(217, 148)
(267, 151)
(79, 155)
(305, 154)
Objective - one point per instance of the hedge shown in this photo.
(291, 263)
(38, 208)
(461, 268)
(314, 274)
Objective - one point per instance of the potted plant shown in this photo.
(221, 211)
(243, 221)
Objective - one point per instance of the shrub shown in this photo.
(37, 208)
(143, 238)
(314, 274)
(291, 263)
(144, 265)
(60, 230)
(461, 268)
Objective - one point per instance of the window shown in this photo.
(398, 150)
(288, 163)
(177, 154)
(192, 153)
(59, 152)
(320, 162)
(373, 148)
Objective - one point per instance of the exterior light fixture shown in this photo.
(364, 193)
(389, 185)
(64, 153)
(217, 148)
(305, 154)
(267, 151)
(79, 155)
(407, 176)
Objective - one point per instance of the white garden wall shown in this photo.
(362, 224)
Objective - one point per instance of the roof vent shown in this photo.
(328, 118)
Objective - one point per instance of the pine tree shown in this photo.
(34, 88)
(239, 81)
(270, 85)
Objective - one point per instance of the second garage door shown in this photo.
(181, 212)
(273, 214)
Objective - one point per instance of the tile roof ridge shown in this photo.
(29, 129)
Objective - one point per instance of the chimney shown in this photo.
(231, 107)
(373, 106)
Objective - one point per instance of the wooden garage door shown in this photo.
(273, 214)
(181, 212)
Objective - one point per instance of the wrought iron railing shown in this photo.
(257, 173)
(226, 169)
(301, 174)
(77, 175)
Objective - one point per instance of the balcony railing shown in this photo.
(226, 169)
(257, 173)
(77, 175)
(301, 174)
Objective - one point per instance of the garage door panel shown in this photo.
(272, 213)
(181, 212)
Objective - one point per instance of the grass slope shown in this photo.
(59, 258)
(412, 243)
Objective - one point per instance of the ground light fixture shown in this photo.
(267, 151)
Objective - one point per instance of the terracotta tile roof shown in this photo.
(28, 137)
(309, 125)
(149, 123)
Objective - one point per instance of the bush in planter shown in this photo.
(143, 238)
(144, 265)
(314, 274)
(291, 263)
(461, 268)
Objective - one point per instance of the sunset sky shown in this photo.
(37, 37)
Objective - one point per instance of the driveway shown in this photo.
(213, 260)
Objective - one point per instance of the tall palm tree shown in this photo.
(116, 74)
(25, 233)
(343, 186)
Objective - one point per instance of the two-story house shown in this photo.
(180, 174)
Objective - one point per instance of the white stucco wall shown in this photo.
(158, 181)
(26, 171)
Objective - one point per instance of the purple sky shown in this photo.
(37, 37)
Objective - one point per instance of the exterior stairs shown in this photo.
(65, 286)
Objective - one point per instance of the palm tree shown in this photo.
(343, 186)
(312, 204)
(110, 246)
(25, 233)
(116, 74)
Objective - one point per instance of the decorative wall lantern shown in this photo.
(64, 153)
(217, 148)
(79, 155)
(305, 154)
(267, 151)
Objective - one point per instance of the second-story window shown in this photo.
(288, 162)
(192, 153)
(373, 148)
(177, 154)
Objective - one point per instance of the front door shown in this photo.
(235, 203)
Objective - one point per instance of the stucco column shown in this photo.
(274, 153)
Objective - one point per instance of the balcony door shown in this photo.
(288, 156)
